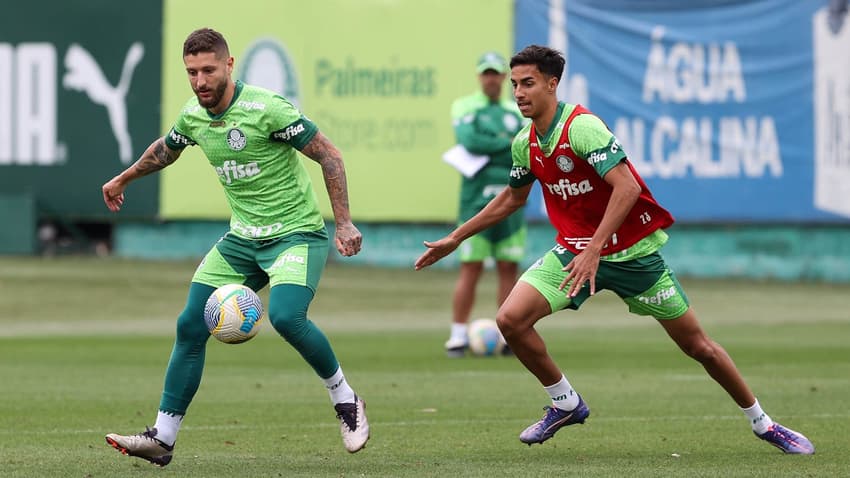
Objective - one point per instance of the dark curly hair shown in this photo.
(206, 40)
(550, 62)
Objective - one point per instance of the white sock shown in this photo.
(167, 425)
(758, 419)
(563, 395)
(458, 331)
(338, 388)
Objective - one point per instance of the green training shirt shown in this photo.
(588, 135)
(252, 146)
(589, 138)
(485, 127)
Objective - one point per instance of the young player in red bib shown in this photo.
(610, 230)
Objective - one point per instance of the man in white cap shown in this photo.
(485, 123)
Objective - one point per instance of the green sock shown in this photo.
(186, 365)
(288, 305)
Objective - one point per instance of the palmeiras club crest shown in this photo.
(564, 163)
(236, 139)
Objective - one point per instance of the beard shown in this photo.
(215, 98)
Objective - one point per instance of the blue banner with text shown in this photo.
(731, 111)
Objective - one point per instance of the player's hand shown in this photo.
(581, 269)
(113, 194)
(348, 239)
(436, 251)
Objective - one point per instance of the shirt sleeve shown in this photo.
(468, 131)
(521, 174)
(178, 137)
(593, 141)
(477, 141)
(290, 126)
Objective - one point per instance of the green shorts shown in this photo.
(646, 284)
(297, 258)
(503, 242)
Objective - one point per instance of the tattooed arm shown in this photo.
(156, 157)
(322, 151)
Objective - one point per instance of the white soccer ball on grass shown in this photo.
(233, 313)
(485, 338)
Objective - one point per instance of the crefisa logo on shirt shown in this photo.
(519, 172)
(236, 139)
(290, 132)
(231, 171)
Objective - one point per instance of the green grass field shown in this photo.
(84, 343)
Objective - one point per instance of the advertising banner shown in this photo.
(79, 101)
(731, 111)
(378, 79)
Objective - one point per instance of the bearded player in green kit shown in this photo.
(277, 235)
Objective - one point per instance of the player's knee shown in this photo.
(290, 324)
(191, 326)
(702, 350)
(509, 324)
(507, 268)
(471, 271)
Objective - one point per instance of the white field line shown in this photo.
(160, 327)
(358, 323)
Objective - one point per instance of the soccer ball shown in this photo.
(233, 313)
(485, 338)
